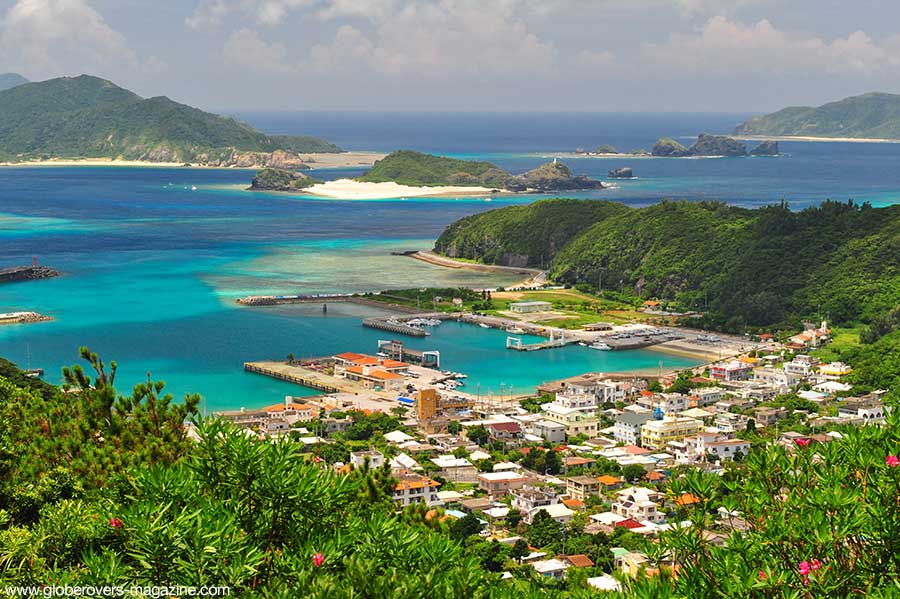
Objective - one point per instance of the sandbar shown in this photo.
(349, 189)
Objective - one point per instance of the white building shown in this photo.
(638, 504)
(413, 488)
(574, 420)
(374, 458)
(627, 428)
(557, 511)
(801, 366)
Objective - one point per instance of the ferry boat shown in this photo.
(600, 345)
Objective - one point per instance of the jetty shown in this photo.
(561, 341)
(404, 325)
(22, 317)
(300, 375)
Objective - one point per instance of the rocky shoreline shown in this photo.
(22, 318)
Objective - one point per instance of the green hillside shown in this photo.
(528, 235)
(9, 80)
(873, 115)
(415, 168)
(750, 267)
(90, 117)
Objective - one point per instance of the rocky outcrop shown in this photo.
(274, 179)
(623, 172)
(669, 148)
(716, 145)
(552, 176)
(279, 159)
(766, 148)
(605, 149)
(26, 273)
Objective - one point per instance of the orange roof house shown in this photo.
(578, 561)
(687, 499)
(609, 481)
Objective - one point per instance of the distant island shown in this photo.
(87, 117)
(406, 173)
(10, 80)
(706, 145)
(874, 116)
(742, 267)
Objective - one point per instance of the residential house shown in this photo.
(374, 458)
(705, 396)
(528, 498)
(500, 483)
(550, 431)
(551, 568)
(733, 370)
(574, 420)
(504, 431)
(638, 504)
(557, 511)
(801, 365)
(582, 487)
(768, 416)
(414, 488)
(727, 422)
(627, 428)
(656, 434)
(455, 469)
(871, 411)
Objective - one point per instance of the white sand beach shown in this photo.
(348, 189)
(315, 160)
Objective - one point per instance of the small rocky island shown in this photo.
(550, 177)
(277, 179)
(711, 145)
(623, 172)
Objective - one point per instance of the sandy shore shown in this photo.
(855, 140)
(348, 189)
(536, 277)
(316, 160)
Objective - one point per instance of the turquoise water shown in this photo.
(151, 271)
(152, 268)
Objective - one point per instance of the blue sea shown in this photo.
(153, 258)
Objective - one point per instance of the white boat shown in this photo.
(600, 345)
(193, 188)
(487, 199)
(483, 326)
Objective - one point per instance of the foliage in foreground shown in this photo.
(822, 520)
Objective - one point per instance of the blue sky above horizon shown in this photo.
(586, 55)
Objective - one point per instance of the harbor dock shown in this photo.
(306, 377)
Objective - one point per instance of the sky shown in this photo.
(462, 55)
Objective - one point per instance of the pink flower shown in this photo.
(115, 522)
(762, 574)
(892, 461)
(816, 564)
(802, 442)
(318, 559)
(804, 568)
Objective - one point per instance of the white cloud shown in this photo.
(47, 37)
(210, 13)
(244, 49)
(728, 47)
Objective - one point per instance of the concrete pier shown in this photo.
(305, 377)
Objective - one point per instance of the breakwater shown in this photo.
(26, 273)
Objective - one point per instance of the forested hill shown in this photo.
(750, 267)
(89, 117)
(873, 115)
(8, 80)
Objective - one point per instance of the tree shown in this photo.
(519, 550)
(290, 358)
(552, 462)
(633, 472)
(453, 427)
(513, 517)
(465, 527)
(478, 434)
(544, 530)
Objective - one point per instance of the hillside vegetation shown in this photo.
(90, 117)
(417, 169)
(762, 267)
(8, 80)
(873, 115)
(98, 489)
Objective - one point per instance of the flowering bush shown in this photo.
(811, 520)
